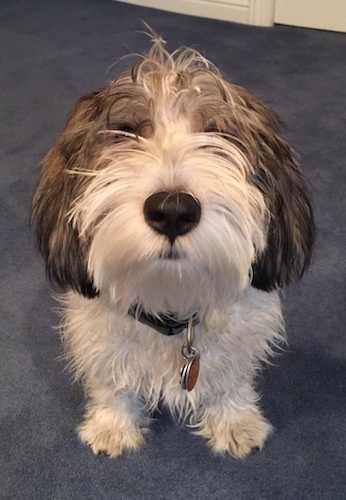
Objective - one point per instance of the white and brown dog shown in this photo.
(172, 212)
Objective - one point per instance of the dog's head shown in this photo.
(172, 188)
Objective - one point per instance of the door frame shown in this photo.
(254, 12)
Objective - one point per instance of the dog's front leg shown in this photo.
(232, 428)
(113, 423)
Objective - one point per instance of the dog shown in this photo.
(172, 212)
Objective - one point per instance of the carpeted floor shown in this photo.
(53, 51)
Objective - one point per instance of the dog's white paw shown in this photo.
(110, 434)
(238, 434)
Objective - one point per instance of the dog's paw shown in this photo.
(238, 434)
(109, 434)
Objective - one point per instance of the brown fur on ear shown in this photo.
(291, 230)
(58, 241)
(279, 177)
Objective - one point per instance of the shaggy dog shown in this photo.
(171, 211)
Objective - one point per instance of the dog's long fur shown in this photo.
(172, 124)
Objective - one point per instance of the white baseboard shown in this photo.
(255, 12)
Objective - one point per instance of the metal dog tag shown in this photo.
(190, 369)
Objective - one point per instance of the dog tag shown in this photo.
(190, 370)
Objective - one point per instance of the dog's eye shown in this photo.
(211, 126)
(123, 132)
(145, 129)
(127, 131)
(211, 130)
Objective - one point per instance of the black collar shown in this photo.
(165, 323)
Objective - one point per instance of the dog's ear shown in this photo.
(291, 228)
(58, 240)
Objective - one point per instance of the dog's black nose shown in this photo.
(172, 214)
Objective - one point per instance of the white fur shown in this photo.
(171, 124)
(128, 368)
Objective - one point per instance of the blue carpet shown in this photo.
(53, 51)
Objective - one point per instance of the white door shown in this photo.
(320, 14)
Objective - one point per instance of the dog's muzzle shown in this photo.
(172, 214)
